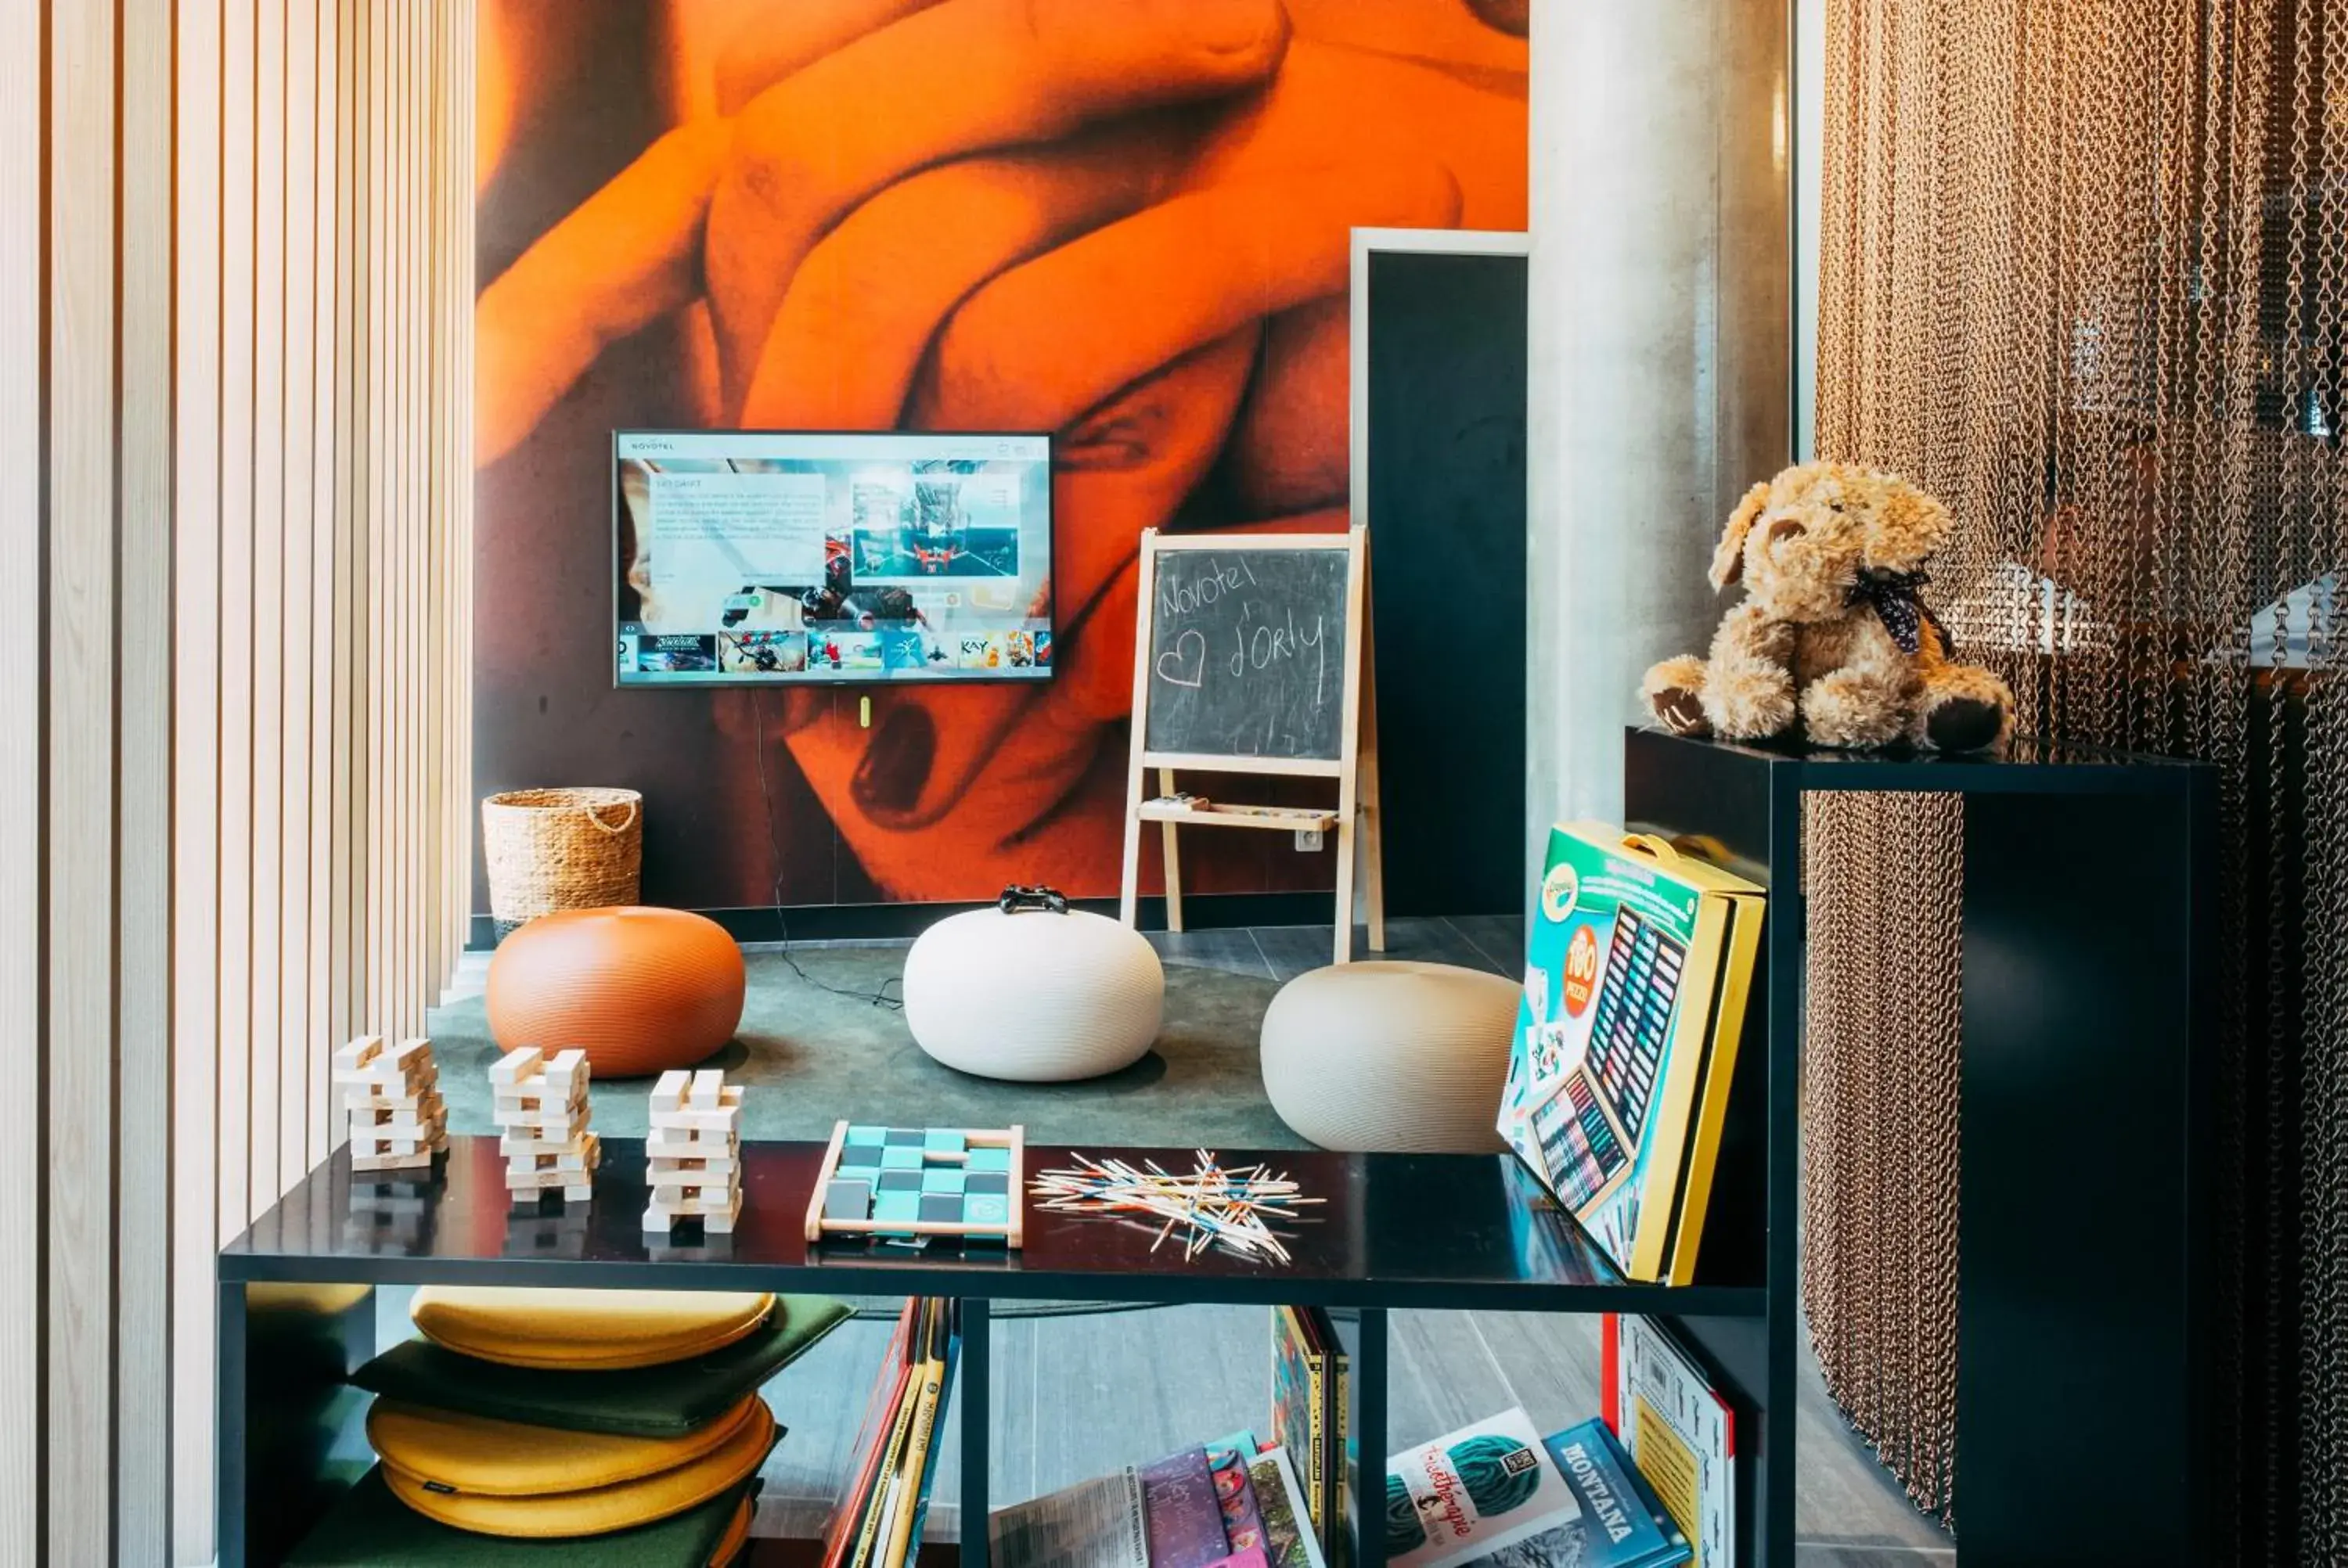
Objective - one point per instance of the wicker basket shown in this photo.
(561, 849)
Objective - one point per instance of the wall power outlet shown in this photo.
(1308, 839)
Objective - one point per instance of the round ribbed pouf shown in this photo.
(1391, 1057)
(1035, 997)
(640, 990)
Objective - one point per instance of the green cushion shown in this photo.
(371, 1526)
(637, 1401)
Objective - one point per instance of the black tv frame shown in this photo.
(828, 683)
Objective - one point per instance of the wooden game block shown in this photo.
(726, 1117)
(553, 1126)
(350, 1058)
(510, 1145)
(671, 1088)
(694, 1198)
(368, 1060)
(715, 1162)
(691, 1139)
(420, 1158)
(529, 1098)
(719, 1222)
(708, 1091)
(566, 1070)
(396, 1096)
(538, 1180)
(515, 1065)
(579, 1155)
(379, 1115)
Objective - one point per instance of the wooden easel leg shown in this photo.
(1373, 858)
(1173, 859)
(1345, 888)
(1128, 901)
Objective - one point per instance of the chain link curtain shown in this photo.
(2085, 273)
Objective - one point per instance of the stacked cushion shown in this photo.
(570, 1422)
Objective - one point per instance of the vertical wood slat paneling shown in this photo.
(21, 459)
(235, 388)
(79, 884)
(195, 810)
(142, 958)
(233, 868)
(266, 650)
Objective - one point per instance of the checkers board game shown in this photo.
(903, 1182)
(1626, 1038)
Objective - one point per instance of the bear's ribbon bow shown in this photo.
(1895, 598)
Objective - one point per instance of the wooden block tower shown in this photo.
(393, 1097)
(541, 1110)
(693, 1152)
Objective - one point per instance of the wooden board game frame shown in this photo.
(1011, 1233)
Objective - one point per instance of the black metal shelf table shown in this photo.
(1395, 1231)
(2084, 1211)
(2085, 1181)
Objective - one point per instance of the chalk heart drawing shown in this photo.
(1179, 667)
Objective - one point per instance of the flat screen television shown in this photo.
(793, 558)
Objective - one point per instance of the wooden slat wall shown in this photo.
(235, 422)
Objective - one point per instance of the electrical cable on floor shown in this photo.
(879, 997)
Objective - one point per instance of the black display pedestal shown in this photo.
(2087, 897)
(2084, 1181)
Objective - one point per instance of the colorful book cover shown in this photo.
(920, 1437)
(1639, 956)
(1299, 1407)
(1289, 1540)
(1471, 1492)
(1227, 1462)
(872, 1441)
(1337, 1540)
(1186, 1522)
(945, 1404)
(1680, 1432)
(884, 1491)
(1622, 1525)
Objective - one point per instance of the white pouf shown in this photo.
(1036, 998)
(1391, 1057)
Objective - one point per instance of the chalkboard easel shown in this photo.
(1251, 656)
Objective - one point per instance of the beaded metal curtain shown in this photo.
(2085, 273)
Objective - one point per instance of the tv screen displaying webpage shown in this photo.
(790, 557)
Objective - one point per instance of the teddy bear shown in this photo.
(1831, 632)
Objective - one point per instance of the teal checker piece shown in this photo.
(896, 1208)
(989, 1160)
(901, 1157)
(942, 1179)
(943, 1141)
(984, 1209)
(857, 1137)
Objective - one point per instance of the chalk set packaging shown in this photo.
(1626, 1041)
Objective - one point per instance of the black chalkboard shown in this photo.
(1247, 652)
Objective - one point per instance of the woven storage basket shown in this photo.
(561, 849)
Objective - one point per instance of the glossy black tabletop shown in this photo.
(1394, 1230)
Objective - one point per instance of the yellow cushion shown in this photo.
(736, 1536)
(594, 1511)
(487, 1458)
(573, 1330)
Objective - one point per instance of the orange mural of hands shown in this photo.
(1128, 224)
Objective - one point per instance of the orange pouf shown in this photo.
(640, 990)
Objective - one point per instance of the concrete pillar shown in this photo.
(1660, 359)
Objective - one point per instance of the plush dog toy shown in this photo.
(1832, 631)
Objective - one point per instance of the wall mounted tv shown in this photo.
(797, 558)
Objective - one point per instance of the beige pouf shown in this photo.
(1391, 1057)
(1035, 996)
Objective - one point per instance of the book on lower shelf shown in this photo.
(1311, 1407)
(1252, 1514)
(877, 1521)
(1471, 1492)
(1638, 964)
(1679, 1429)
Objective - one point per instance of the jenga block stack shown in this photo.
(539, 1104)
(393, 1099)
(693, 1152)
